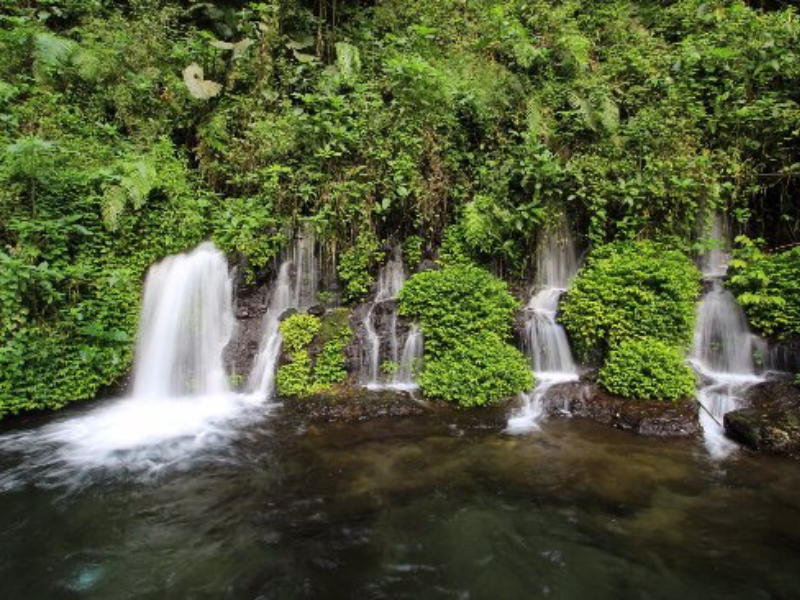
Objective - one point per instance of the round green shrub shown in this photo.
(628, 290)
(476, 372)
(647, 369)
(298, 331)
(457, 302)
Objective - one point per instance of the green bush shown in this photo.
(355, 264)
(298, 330)
(767, 286)
(315, 349)
(631, 289)
(647, 369)
(465, 314)
(461, 300)
(477, 371)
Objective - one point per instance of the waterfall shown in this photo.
(545, 340)
(382, 314)
(186, 322)
(722, 352)
(294, 288)
(181, 404)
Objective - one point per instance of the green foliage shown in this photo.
(465, 314)
(647, 369)
(298, 330)
(631, 290)
(412, 250)
(355, 264)
(767, 286)
(476, 371)
(316, 353)
(456, 302)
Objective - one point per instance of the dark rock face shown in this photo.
(384, 319)
(355, 404)
(772, 421)
(654, 418)
(251, 304)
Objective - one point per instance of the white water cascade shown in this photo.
(546, 341)
(391, 279)
(294, 288)
(722, 351)
(181, 402)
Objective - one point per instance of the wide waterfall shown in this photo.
(181, 402)
(545, 340)
(385, 352)
(294, 288)
(723, 349)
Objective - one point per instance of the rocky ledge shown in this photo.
(771, 422)
(653, 418)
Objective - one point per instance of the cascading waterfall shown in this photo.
(186, 322)
(294, 288)
(546, 341)
(181, 401)
(722, 351)
(391, 279)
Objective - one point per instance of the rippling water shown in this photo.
(445, 508)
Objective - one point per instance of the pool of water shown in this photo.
(447, 507)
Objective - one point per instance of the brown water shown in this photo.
(443, 508)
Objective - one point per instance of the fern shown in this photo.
(348, 59)
(52, 52)
(139, 178)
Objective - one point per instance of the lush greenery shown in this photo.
(314, 348)
(647, 369)
(130, 130)
(767, 286)
(630, 290)
(465, 314)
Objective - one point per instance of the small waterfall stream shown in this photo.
(546, 341)
(386, 348)
(722, 352)
(294, 288)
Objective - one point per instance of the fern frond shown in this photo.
(608, 114)
(113, 205)
(581, 105)
(139, 181)
(52, 52)
(348, 60)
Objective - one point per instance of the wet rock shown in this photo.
(652, 418)
(772, 421)
(287, 313)
(355, 404)
(317, 310)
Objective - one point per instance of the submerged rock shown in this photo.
(772, 421)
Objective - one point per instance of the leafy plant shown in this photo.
(647, 369)
(630, 290)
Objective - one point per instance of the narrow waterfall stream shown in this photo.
(546, 341)
(181, 400)
(722, 352)
(295, 287)
(383, 336)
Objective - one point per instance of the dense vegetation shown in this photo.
(647, 369)
(767, 286)
(465, 314)
(135, 129)
(314, 348)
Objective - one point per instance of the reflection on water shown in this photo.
(413, 509)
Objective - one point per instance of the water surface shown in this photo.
(448, 507)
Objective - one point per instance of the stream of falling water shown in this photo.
(294, 288)
(181, 402)
(546, 341)
(722, 352)
(386, 348)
